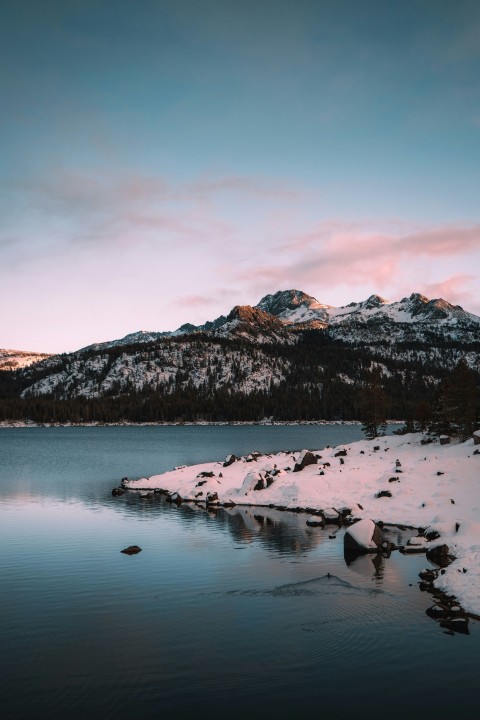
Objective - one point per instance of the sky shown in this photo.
(164, 160)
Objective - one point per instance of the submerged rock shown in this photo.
(118, 491)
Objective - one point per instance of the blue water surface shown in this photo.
(231, 613)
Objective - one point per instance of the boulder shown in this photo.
(444, 440)
(315, 521)
(118, 491)
(341, 453)
(206, 474)
(305, 458)
(439, 555)
(229, 460)
(363, 536)
(212, 497)
(476, 437)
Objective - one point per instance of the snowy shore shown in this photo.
(421, 483)
(196, 423)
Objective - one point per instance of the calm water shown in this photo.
(223, 614)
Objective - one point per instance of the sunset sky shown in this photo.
(164, 160)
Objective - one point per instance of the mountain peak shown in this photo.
(374, 301)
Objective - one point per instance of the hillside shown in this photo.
(289, 356)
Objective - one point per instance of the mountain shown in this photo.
(373, 320)
(16, 359)
(288, 354)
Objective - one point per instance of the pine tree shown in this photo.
(458, 402)
(373, 406)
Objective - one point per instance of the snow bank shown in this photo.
(434, 485)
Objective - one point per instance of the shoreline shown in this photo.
(194, 423)
(412, 481)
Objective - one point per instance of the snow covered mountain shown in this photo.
(288, 341)
(373, 320)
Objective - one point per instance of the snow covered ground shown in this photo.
(431, 485)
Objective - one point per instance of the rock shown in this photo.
(476, 437)
(206, 474)
(201, 482)
(331, 515)
(415, 545)
(437, 612)
(305, 458)
(174, 498)
(341, 453)
(383, 493)
(439, 472)
(428, 575)
(212, 497)
(146, 494)
(431, 534)
(229, 460)
(439, 555)
(393, 479)
(131, 550)
(315, 521)
(118, 491)
(456, 625)
(376, 447)
(444, 440)
(363, 536)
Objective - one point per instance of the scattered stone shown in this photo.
(439, 472)
(393, 479)
(383, 493)
(341, 453)
(206, 474)
(376, 447)
(131, 550)
(452, 501)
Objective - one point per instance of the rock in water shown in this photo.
(363, 536)
(131, 550)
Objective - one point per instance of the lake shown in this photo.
(228, 613)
